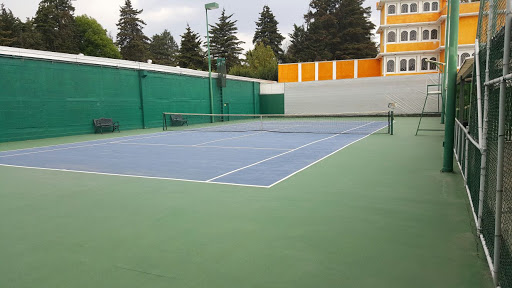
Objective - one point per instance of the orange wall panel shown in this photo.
(308, 72)
(469, 7)
(419, 46)
(413, 18)
(325, 71)
(441, 56)
(467, 30)
(288, 73)
(369, 68)
(345, 69)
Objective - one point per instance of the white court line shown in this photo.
(272, 157)
(230, 138)
(207, 146)
(95, 144)
(139, 138)
(132, 176)
(51, 150)
(66, 148)
(279, 155)
(87, 145)
(275, 183)
(110, 142)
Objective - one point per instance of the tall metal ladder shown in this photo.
(433, 90)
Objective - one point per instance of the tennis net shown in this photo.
(346, 123)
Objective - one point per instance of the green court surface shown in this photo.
(376, 214)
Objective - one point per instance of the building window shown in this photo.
(391, 36)
(463, 58)
(433, 34)
(412, 64)
(391, 66)
(391, 9)
(403, 65)
(426, 6)
(414, 7)
(432, 65)
(405, 8)
(412, 35)
(424, 64)
(425, 34)
(404, 36)
(435, 6)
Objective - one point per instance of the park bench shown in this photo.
(101, 123)
(178, 120)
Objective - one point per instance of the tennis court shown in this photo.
(231, 153)
(221, 201)
(376, 214)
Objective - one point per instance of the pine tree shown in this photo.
(355, 35)
(267, 32)
(29, 38)
(223, 41)
(164, 49)
(130, 38)
(296, 50)
(93, 39)
(335, 30)
(322, 38)
(55, 22)
(10, 27)
(191, 55)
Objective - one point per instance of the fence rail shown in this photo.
(483, 148)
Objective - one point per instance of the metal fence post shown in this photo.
(501, 146)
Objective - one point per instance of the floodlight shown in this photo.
(211, 6)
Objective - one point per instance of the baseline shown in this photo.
(128, 175)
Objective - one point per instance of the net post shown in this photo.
(164, 122)
(391, 120)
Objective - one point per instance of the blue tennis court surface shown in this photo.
(252, 158)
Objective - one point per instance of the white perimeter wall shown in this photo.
(361, 95)
(273, 88)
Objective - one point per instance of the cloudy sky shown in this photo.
(174, 15)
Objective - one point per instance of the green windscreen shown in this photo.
(42, 99)
(272, 104)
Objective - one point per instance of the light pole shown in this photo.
(210, 6)
(451, 85)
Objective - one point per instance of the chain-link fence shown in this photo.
(492, 208)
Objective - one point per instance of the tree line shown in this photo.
(332, 30)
